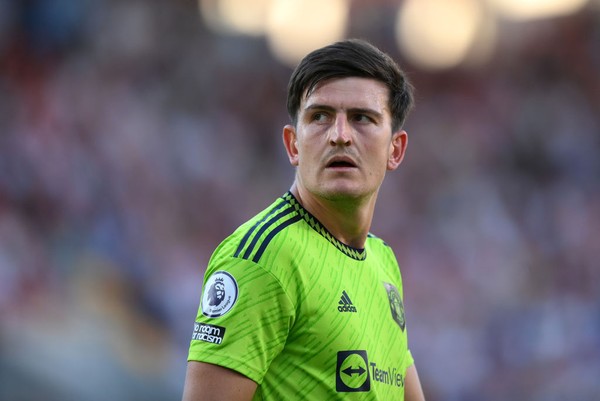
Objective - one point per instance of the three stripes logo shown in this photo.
(345, 304)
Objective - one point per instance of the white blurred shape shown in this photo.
(484, 42)
(236, 16)
(535, 9)
(296, 27)
(438, 34)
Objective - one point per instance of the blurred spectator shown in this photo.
(125, 136)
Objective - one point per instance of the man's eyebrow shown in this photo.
(317, 106)
(354, 110)
(366, 110)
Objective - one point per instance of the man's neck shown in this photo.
(348, 220)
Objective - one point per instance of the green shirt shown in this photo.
(302, 314)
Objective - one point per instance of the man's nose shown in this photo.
(340, 132)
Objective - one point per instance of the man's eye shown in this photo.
(362, 118)
(320, 117)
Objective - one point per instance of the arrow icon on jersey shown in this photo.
(352, 371)
(349, 371)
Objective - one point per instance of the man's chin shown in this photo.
(344, 194)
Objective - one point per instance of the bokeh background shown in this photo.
(135, 135)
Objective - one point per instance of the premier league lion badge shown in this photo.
(220, 294)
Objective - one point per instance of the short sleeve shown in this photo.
(409, 360)
(243, 320)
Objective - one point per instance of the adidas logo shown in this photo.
(346, 304)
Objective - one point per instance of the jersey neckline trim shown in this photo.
(354, 253)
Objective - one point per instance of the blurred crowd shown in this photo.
(132, 140)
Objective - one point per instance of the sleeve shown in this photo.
(409, 360)
(395, 271)
(243, 320)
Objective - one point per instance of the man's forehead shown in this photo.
(352, 92)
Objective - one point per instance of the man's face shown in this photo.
(342, 144)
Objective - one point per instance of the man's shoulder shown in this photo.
(259, 234)
(379, 243)
(378, 248)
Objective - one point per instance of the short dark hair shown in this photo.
(351, 58)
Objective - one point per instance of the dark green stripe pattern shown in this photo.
(288, 211)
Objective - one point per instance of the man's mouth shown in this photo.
(341, 162)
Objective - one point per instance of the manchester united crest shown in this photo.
(396, 304)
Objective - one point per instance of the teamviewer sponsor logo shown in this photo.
(345, 304)
(352, 372)
(208, 333)
(355, 373)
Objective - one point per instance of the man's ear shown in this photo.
(397, 149)
(289, 141)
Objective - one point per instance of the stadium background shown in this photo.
(134, 135)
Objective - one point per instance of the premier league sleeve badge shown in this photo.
(220, 294)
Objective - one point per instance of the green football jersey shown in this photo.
(302, 314)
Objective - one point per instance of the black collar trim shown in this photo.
(354, 253)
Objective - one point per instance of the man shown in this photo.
(311, 305)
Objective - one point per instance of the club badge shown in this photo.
(396, 305)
